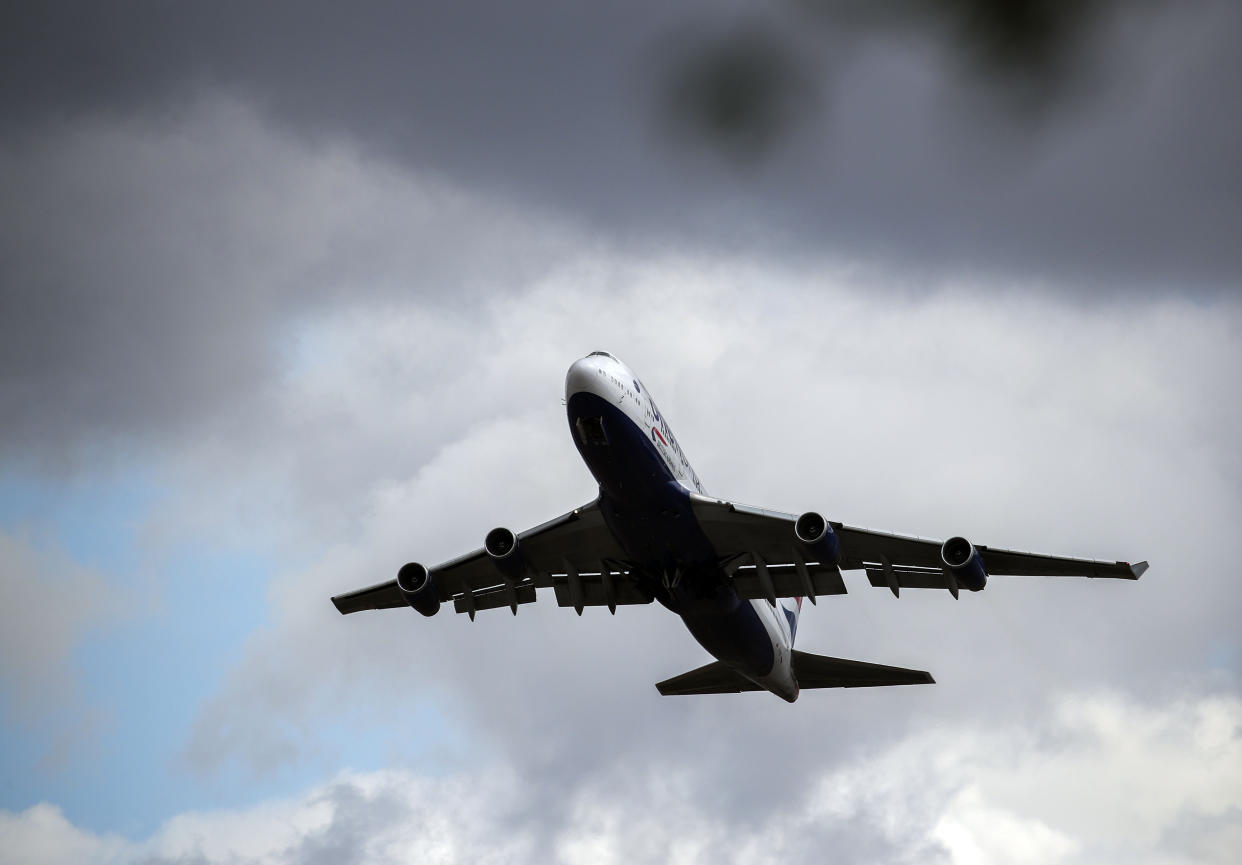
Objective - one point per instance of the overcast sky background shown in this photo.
(288, 295)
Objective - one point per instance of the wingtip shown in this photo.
(336, 602)
(1139, 569)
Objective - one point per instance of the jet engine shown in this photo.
(505, 551)
(418, 588)
(817, 536)
(964, 562)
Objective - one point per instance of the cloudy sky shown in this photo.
(287, 295)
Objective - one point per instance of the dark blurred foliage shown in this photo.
(999, 37)
(1017, 37)
(740, 90)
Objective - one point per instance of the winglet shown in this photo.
(1138, 570)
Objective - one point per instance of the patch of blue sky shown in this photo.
(139, 682)
(112, 759)
(129, 776)
(423, 732)
(93, 520)
(152, 675)
(1223, 654)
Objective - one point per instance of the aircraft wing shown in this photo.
(762, 540)
(763, 558)
(896, 562)
(574, 555)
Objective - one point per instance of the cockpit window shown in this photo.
(601, 354)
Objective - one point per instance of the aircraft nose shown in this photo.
(582, 376)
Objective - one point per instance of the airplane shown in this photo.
(736, 575)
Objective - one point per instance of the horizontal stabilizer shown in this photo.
(811, 671)
(820, 671)
(714, 678)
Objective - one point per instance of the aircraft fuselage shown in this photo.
(645, 481)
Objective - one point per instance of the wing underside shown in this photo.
(575, 555)
(769, 563)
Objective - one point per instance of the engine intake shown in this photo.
(418, 588)
(817, 536)
(505, 551)
(964, 562)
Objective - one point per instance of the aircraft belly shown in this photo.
(734, 634)
(649, 513)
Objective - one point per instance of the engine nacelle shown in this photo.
(817, 536)
(505, 551)
(418, 588)
(964, 562)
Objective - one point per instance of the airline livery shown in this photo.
(736, 575)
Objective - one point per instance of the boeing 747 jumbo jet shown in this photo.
(736, 575)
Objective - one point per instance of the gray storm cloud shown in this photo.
(156, 270)
(178, 184)
(907, 146)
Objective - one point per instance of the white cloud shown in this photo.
(41, 835)
(976, 833)
(1026, 792)
(1101, 778)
